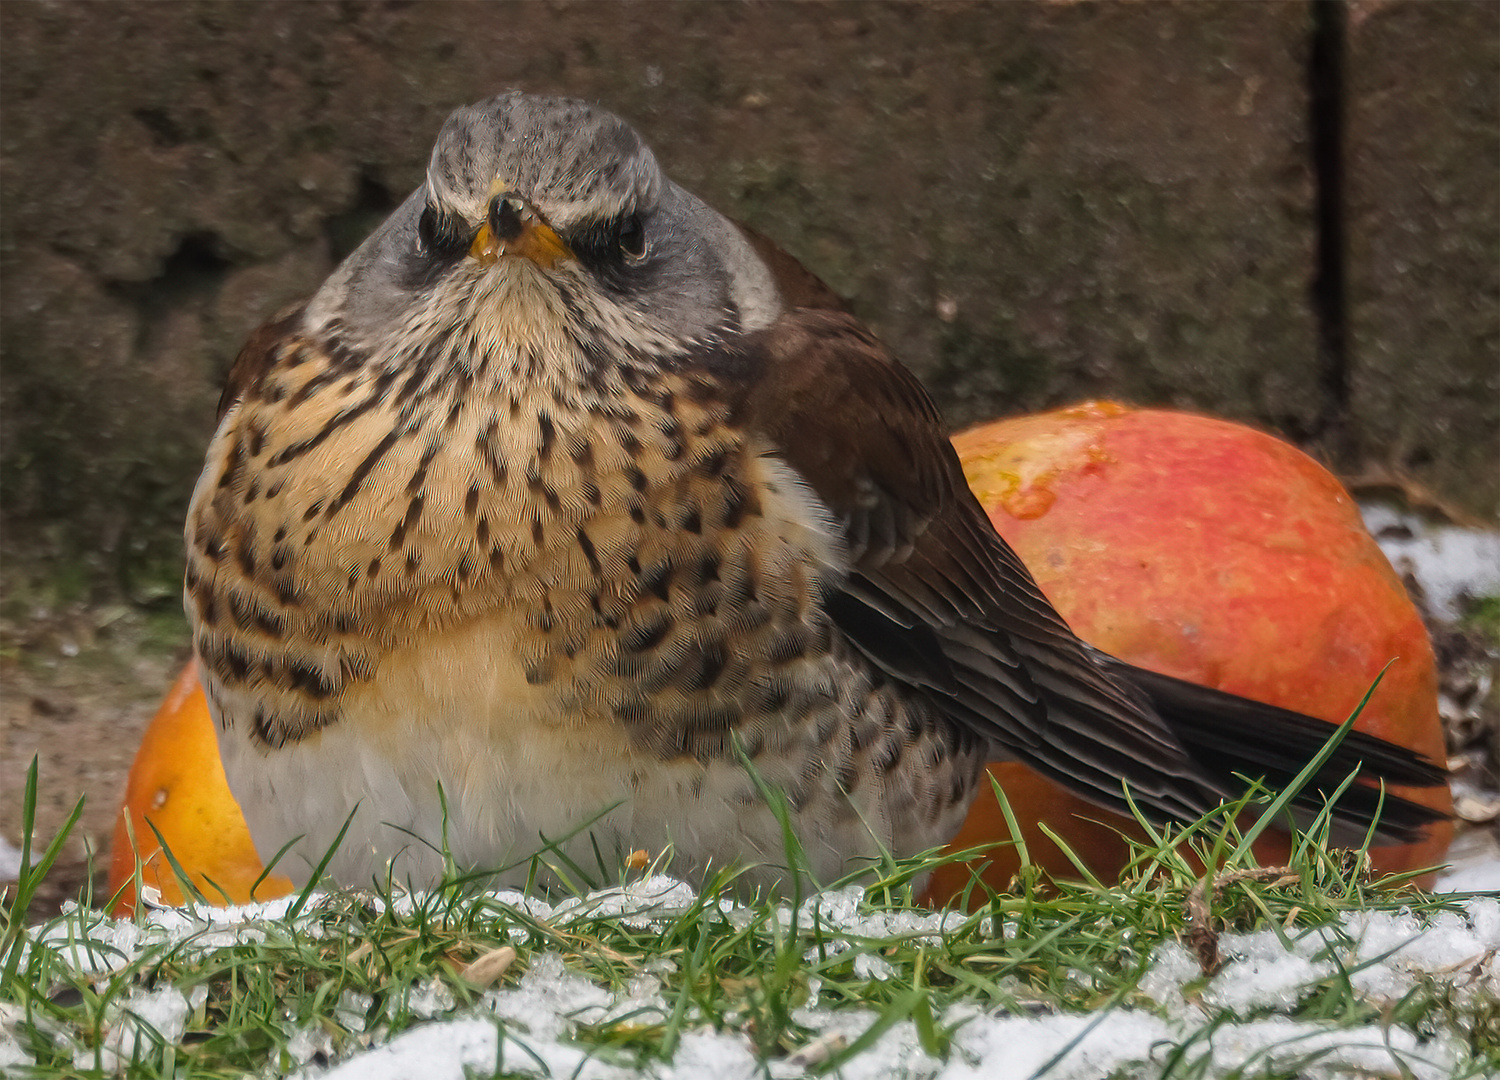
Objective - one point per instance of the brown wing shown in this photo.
(935, 597)
(257, 356)
(940, 602)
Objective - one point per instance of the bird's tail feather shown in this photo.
(1228, 734)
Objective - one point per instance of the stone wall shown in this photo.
(1032, 203)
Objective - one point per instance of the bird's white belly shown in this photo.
(503, 797)
(514, 777)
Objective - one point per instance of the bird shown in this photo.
(570, 516)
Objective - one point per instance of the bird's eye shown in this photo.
(443, 236)
(631, 237)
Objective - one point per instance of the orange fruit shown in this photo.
(177, 783)
(1213, 552)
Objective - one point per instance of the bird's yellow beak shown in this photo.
(515, 228)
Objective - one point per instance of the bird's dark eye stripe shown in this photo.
(443, 236)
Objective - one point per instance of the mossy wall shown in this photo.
(1031, 203)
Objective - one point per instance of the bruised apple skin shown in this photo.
(177, 782)
(1213, 552)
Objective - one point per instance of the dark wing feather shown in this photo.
(937, 600)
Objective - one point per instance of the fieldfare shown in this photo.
(569, 511)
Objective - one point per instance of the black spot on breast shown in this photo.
(657, 579)
(233, 467)
(714, 463)
(705, 665)
(264, 725)
(269, 623)
(648, 632)
(310, 680)
(419, 477)
(634, 710)
(238, 612)
(233, 663)
(546, 435)
(471, 501)
(589, 553)
(545, 620)
(244, 552)
(739, 503)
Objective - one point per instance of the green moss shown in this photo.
(1483, 616)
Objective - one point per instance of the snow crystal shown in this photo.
(309, 1042)
(870, 966)
(137, 1025)
(639, 904)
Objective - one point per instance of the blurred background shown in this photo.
(1282, 212)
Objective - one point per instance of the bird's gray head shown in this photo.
(545, 215)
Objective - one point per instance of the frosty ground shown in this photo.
(1257, 1015)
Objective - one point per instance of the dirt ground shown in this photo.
(78, 685)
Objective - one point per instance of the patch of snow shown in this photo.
(1017, 1048)
(1447, 561)
(528, 1027)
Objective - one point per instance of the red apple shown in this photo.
(1213, 552)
